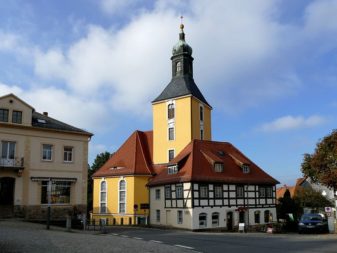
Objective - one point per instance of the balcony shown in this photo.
(16, 163)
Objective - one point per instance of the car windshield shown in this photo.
(311, 217)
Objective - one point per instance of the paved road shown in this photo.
(236, 242)
(21, 237)
(27, 237)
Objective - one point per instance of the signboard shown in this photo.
(144, 206)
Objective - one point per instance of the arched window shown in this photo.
(178, 69)
(215, 219)
(202, 220)
(257, 217)
(201, 113)
(103, 197)
(170, 111)
(268, 217)
(122, 196)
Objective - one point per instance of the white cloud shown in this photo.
(8, 41)
(248, 53)
(81, 112)
(115, 6)
(292, 122)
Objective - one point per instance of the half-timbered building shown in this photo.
(212, 185)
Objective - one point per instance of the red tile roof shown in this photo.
(134, 157)
(196, 163)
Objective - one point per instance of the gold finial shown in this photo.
(181, 23)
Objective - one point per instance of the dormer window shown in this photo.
(218, 167)
(172, 169)
(17, 117)
(178, 69)
(245, 168)
(4, 115)
(170, 111)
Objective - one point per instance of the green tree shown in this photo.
(321, 166)
(308, 197)
(99, 161)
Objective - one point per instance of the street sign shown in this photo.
(328, 209)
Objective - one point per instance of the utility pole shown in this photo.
(49, 202)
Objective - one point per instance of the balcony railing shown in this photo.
(12, 163)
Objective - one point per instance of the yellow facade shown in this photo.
(136, 195)
(187, 126)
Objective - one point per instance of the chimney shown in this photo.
(45, 114)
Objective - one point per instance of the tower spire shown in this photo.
(181, 34)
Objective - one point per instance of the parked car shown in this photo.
(313, 223)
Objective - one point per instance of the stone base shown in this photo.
(39, 213)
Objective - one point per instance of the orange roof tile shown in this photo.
(134, 157)
(196, 163)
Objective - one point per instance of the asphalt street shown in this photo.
(18, 236)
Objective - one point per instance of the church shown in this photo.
(176, 175)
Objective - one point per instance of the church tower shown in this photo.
(180, 112)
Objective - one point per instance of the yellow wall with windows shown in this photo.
(136, 193)
(186, 126)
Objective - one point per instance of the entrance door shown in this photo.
(7, 191)
(230, 221)
(6, 196)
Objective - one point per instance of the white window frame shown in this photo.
(218, 167)
(203, 223)
(203, 190)
(120, 202)
(67, 154)
(168, 155)
(240, 191)
(169, 133)
(103, 202)
(180, 218)
(6, 152)
(157, 194)
(215, 222)
(168, 108)
(181, 191)
(172, 169)
(245, 168)
(168, 189)
(157, 215)
(178, 67)
(218, 187)
(49, 152)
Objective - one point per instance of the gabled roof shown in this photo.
(134, 157)
(195, 164)
(43, 121)
(17, 98)
(282, 190)
(181, 86)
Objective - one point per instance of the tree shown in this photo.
(98, 163)
(321, 166)
(308, 197)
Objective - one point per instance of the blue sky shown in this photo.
(268, 68)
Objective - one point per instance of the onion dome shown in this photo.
(181, 47)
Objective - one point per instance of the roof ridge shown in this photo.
(143, 153)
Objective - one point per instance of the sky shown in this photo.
(267, 67)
